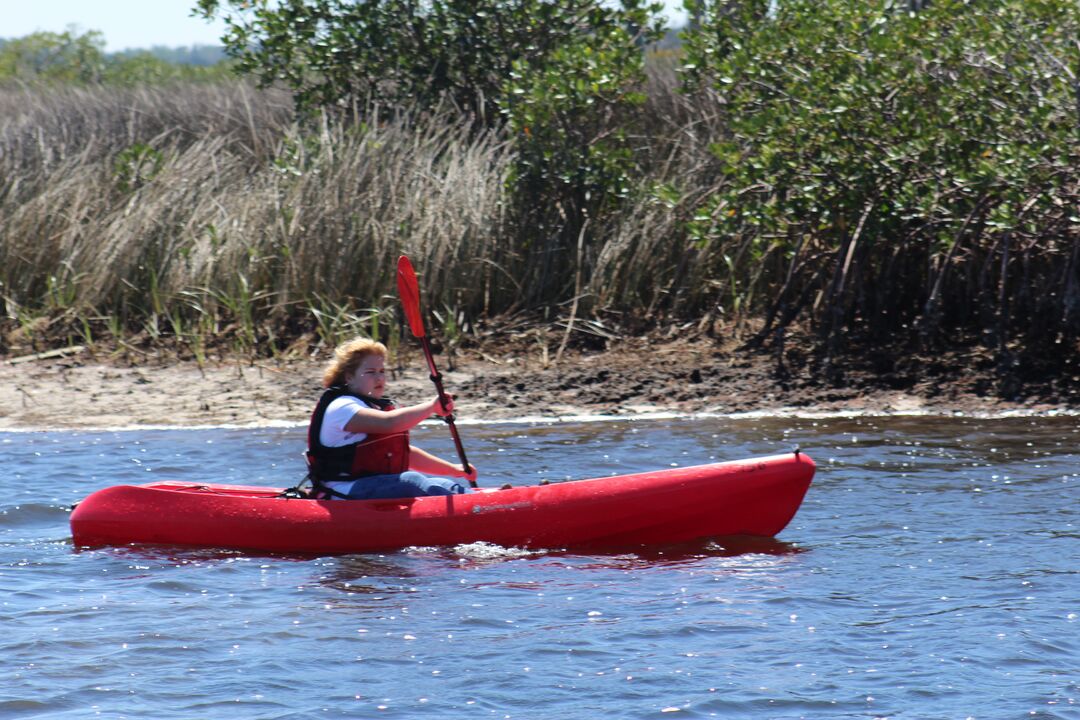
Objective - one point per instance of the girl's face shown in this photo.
(369, 378)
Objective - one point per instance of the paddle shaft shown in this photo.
(436, 378)
(410, 303)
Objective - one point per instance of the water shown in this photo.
(931, 573)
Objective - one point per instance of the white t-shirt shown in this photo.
(333, 433)
(338, 414)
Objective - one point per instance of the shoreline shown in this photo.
(642, 379)
(534, 420)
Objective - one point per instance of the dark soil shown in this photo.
(523, 374)
(701, 374)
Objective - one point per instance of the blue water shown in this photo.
(931, 573)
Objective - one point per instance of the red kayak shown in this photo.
(757, 496)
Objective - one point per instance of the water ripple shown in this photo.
(930, 573)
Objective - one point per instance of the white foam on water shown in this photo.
(490, 551)
(792, 412)
(260, 425)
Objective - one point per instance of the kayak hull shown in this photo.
(757, 496)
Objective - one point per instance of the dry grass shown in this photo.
(645, 262)
(204, 209)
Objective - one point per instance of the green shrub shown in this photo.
(66, 57)
(347, 54)
(71, 58)
(885, 167)
(571, 116)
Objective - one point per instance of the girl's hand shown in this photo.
(470, 476)
(439, 409)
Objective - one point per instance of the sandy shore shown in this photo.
(89, 391)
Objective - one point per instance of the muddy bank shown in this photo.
(91, 390)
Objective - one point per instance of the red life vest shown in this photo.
(376, 454)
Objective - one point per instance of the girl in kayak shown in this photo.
(358, 442)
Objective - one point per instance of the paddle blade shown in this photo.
(409, 292)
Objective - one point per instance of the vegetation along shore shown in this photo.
(810, 204)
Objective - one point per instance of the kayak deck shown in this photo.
(756, 496)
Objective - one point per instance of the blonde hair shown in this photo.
(347, 357)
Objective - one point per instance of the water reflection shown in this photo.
(380, 577)
(177, 555)
(365, 582)
(640, 557)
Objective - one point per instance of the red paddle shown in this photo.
(410, 303)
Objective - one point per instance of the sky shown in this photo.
(125, 23)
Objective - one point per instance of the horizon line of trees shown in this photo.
(74, 57)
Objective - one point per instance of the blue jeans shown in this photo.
(408, 484)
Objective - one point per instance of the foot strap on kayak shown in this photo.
(309, 489)
(299, 491)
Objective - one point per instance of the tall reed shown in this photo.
(201, 202)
